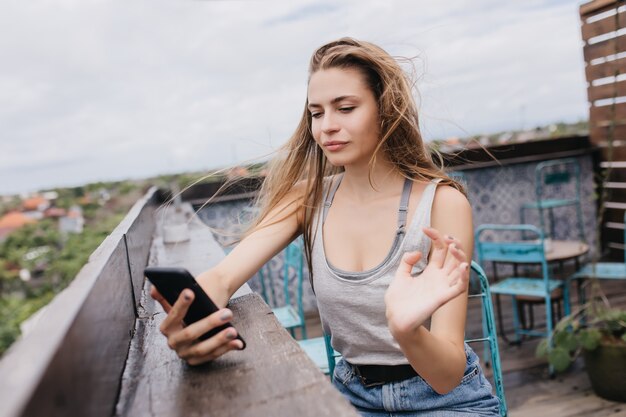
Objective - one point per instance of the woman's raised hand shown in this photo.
(184, 339)
(411, 300)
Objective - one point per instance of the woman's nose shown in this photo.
(329, 123)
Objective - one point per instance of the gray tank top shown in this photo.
(351, 304)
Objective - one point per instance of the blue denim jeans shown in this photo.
(414, 397)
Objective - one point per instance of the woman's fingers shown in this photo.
(455, 253)
(232, 345)
(439, 247)
(409, 259)
(174, 318)
(192, 332)
(154, 293)
(209, 349)
(462, 279)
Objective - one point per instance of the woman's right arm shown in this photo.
(276, 230)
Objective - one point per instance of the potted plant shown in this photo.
(598, 332)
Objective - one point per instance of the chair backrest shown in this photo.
(294, 259)
(490, 337)
(515, 252)
(529, 250)
(556, 172)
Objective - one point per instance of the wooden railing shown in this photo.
(71, 361)
(603, 27)
(97, 350)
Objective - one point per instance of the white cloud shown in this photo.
(112, 89)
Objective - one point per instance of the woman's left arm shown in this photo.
(439, 292)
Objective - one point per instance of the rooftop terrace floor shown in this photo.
(528, 389)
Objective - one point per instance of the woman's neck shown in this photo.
(385, 180)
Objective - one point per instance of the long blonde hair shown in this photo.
(302, 161)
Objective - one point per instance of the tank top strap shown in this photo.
(403, 210)
(329, 198)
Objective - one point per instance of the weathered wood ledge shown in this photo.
(97, 349)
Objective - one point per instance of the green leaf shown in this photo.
(590, 338)
(542, 349)
(624, 337)
(559, 358)
(565, 340)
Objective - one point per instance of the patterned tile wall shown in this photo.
(496, 194)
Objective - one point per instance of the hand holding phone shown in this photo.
(171, 282)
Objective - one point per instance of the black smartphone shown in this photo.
(172, 281)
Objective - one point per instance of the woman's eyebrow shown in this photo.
(334, 101)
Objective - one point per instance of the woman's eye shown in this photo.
(316, 115)
(346, 109)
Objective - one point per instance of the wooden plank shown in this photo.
(139, 226)
(604, 48)
(599, 27)
(612, 90)
(603, 70)
(617, 175)
(596, 6)
(616, 153)
(71, 362)
(602, 133)
(613, 112)
(615, 216)
(616, 185)
(272, 377)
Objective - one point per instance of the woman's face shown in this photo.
(344, 116)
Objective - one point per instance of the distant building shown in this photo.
(54, 212)
(73, 222)
(13, 221)
(36, 203)
(50, 195)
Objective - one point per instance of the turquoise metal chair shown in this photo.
(549, 177)
(321, 353)
(600, 270)
(291, 313)
(491, 355)
(522, 252)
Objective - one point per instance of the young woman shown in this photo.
(388, 239)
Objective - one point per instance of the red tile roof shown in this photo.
(15, 220)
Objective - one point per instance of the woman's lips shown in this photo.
(334, 146)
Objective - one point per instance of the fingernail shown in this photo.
(226, 315)
(231, 334)
(449, 237)
(456, 246)
(466, 267)
(187, 296)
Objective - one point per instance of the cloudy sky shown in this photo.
(105, 90)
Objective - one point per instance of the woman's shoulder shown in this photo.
(448, 198)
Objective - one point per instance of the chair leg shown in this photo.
(566, 298)
(502, 334)
(516, 321)
(548, 306)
